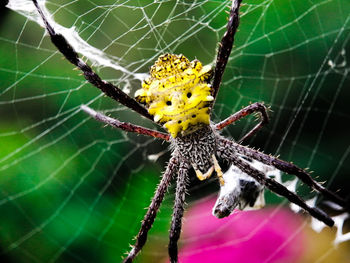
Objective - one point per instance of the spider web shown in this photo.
(74, 191)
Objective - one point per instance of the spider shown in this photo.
(179, 95)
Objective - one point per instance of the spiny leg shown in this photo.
(233, 148)
(124, 125)
(153, 209)
(225, 46)
(255, 107)
(277, 188)
(72, 56)
(176, 221)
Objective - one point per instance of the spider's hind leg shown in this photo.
(225, 46)
(72, 56)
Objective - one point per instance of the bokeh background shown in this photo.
(72, 190)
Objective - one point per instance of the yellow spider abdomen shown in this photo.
(177, 93)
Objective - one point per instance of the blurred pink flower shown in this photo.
(267, 235)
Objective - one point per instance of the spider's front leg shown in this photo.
(252, 108)
(275, 186)
(153, 208)
(282, 166)
(176, 221)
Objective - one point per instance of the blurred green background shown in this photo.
(75, 191)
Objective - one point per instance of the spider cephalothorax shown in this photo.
(178, 96)
(198, 148)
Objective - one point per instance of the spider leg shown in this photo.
(276, 187)
(72, 56)
(124, 125)
(153, 209)
(255, 107)
(284, 166)
(225, 46)
(178, 212)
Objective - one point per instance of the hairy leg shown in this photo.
(276, 187)
(72, 56)
(153, 209)
(125, 126)
(225, 46)
(284, 166)
(178, 212)
(255, 107)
